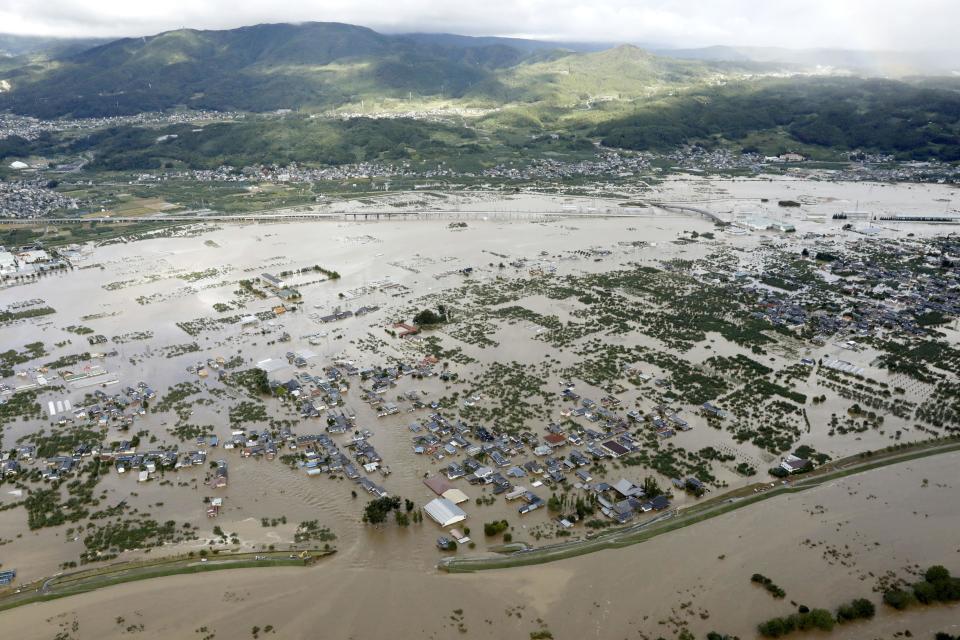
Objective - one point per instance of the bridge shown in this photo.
(684, 207)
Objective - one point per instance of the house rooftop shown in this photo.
(438, 484)
(444, 512)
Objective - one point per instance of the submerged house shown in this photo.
(219, 479)
(794, 464)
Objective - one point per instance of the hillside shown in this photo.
(314, 141)
(576, 80)
(909, 120)
(257, 68)
(322, 65)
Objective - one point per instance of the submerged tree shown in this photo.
(376, 510)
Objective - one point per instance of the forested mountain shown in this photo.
(845, 113)
(521, 90)
(315, 65)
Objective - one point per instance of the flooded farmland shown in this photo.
(615, 336)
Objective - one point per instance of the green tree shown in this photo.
(553, 503)
(427, 317)
(936, 573)
(376, 510)
(651, 488)
(260, 381)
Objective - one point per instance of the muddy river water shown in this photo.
(824, 546)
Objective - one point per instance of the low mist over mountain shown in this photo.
(14, 46)
(883, 63)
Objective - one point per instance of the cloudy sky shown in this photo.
(849, 24)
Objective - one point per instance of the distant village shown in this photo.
(30, 189)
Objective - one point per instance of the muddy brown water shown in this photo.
(415, 254)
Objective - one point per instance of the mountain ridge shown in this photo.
(312, 65)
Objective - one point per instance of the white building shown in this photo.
(8, 263)
(792, 157)
(444, 512)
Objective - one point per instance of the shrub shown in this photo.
(898, 599)
(859, 609)
(948, 590)
(768, 584)
(925, 592)
(938, 586)
(774, 628)
(496, 527)
(819, 619)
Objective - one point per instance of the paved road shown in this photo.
(88, 579)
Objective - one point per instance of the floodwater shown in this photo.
(363, 253)
(612, 594)
(823, 547)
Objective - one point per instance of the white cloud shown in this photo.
(855, 24)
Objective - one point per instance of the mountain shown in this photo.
(256, 68)
(536, 96)
(320, 66)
